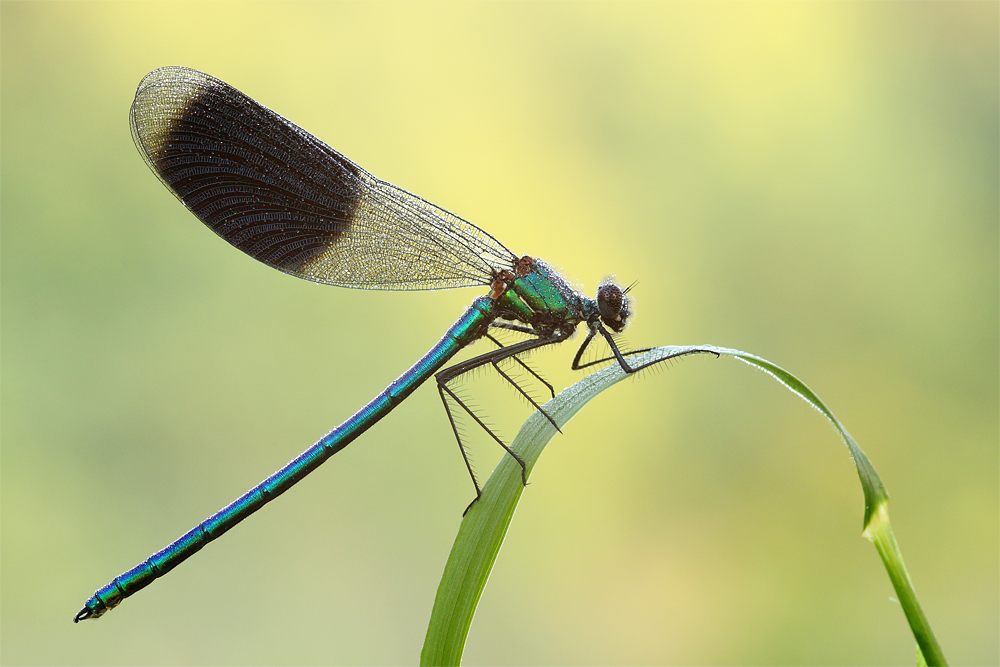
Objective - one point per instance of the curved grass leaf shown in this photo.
(485, 525)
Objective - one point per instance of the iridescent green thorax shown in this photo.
(542, 299)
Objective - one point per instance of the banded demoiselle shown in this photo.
(287, 199)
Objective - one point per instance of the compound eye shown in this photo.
(610, 300)
(613, 305)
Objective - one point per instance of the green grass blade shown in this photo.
(484, 527)
(877, 528)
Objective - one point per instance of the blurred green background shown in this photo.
(813, 183)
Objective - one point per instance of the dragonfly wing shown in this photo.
(285, 198)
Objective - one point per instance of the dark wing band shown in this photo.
(287, 199)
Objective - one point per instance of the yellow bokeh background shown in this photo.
(816, 183)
